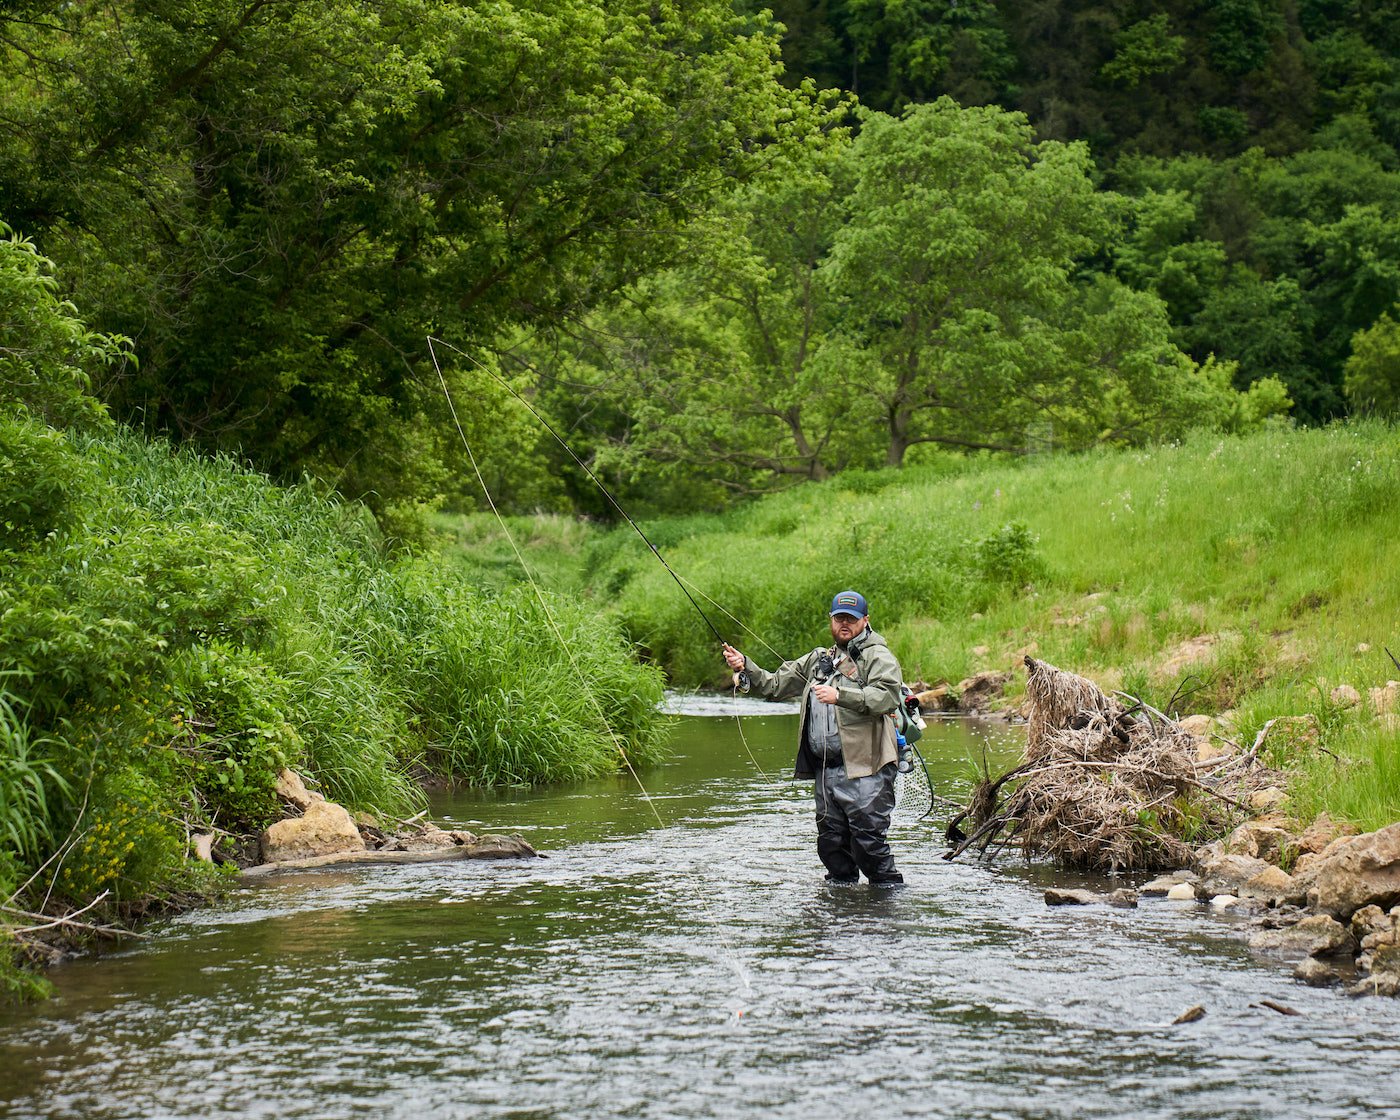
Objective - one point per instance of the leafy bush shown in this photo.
(126, 842)
(232, 718)
(1008, 556)
(42, 476)
(45, 348)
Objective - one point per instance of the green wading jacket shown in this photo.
(867, 693)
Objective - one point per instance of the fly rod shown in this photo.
(743, 677)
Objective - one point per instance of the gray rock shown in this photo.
(513, 846)
(1358, 872)
(1377, 984)
(1123, 898)
(1262, 841)
(1246, 876)
(1317, 973)
(1163, 883)
(1314, 936)
(1069, 897)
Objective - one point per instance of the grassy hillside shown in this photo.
(1275, 556)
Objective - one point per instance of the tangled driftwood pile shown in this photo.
(1108, 784)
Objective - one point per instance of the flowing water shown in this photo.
(693, 967)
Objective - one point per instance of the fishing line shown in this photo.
(573, 660)
(588, 471)
(682, 584)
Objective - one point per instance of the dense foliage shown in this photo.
(1269, 556)
(1025, 226)
(279, 200)
(1259, 136)
(174, 630)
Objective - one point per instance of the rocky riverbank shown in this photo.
(1103, 784)
(319, 833)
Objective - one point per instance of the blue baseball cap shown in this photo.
(851, 603)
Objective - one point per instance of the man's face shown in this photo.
(844, 627)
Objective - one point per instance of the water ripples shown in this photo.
(700, 968)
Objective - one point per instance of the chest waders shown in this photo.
(853, 814)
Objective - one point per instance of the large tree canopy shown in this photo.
(278, 200)
(927, 283)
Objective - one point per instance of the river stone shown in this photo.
(1182, 892)
(1269, 884)
(1318, 974)
(1356, 872)
(1224, 901)
(291, 789)
(1322, 832)
(325, 829)
(513, 846)
(1369, 920)
(1162, 885)
(1225, 873)
(1316, 935)
(1262, 841)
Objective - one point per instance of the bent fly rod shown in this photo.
(743, 677)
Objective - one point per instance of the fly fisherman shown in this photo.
(847, 740)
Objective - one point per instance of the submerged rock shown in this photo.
(1123, 898)
(1318, 974)
(1162, 885)
(1318, 935)
(1242, 875)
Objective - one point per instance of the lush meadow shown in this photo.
(1273, 555)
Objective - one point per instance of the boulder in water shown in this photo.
(324, 829)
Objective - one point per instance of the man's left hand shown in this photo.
(826, 693)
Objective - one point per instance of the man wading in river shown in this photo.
(847, 740)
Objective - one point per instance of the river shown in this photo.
(679, 955)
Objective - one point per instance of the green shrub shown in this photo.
(45, 348)
(40, 477)
(126, 841)
(1008, 556)
(232, 711)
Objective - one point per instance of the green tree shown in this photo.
(957, 271)
(280, 200)
(1373, 370)
(724, 368)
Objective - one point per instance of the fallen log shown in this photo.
(486, 847)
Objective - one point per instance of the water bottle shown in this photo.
(906, 761)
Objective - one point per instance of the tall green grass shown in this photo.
(1280, 547)
(1281, 544)
(175, 630)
